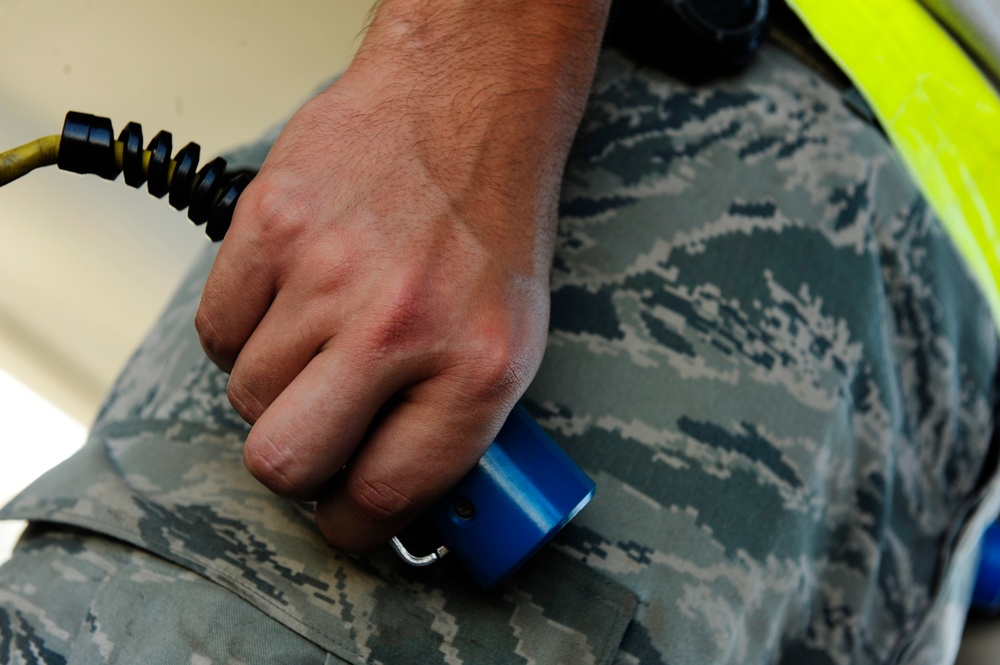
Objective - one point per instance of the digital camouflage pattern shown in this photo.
(763, 349)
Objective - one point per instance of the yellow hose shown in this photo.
(15, 163)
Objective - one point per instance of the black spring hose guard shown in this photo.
(86, 146)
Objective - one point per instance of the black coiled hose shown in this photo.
(86, 146)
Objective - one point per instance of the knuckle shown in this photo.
(217, 345)
(244, 400)
(400, 324)
(277, 209)
(378, 501)
(221, 346)
(272, 464)
(498, 372)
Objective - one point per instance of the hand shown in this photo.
(381, 298)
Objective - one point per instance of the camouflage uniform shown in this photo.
(763, 349)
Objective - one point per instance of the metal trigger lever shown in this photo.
(425, 560)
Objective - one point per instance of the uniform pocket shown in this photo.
(554, 610)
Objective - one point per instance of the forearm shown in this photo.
(476, 53)
(490, 94)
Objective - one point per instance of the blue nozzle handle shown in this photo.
(520, 494)
(986, 593)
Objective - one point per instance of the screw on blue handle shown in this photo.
(986, 594)
(520, 494)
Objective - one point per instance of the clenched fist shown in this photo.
(381, 298)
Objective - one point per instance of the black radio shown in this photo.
(691, 39)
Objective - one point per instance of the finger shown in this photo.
(313, 427)
(288, 337)
(237, 294)
(425, 445)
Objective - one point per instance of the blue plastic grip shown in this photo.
(522, 492)
(986, 593)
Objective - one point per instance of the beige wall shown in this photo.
(85, 265)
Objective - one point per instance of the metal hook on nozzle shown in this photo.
(409, 558)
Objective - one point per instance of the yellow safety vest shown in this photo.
(937, 108)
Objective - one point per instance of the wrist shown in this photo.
(469, 65)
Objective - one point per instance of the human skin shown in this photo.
(381, 299)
